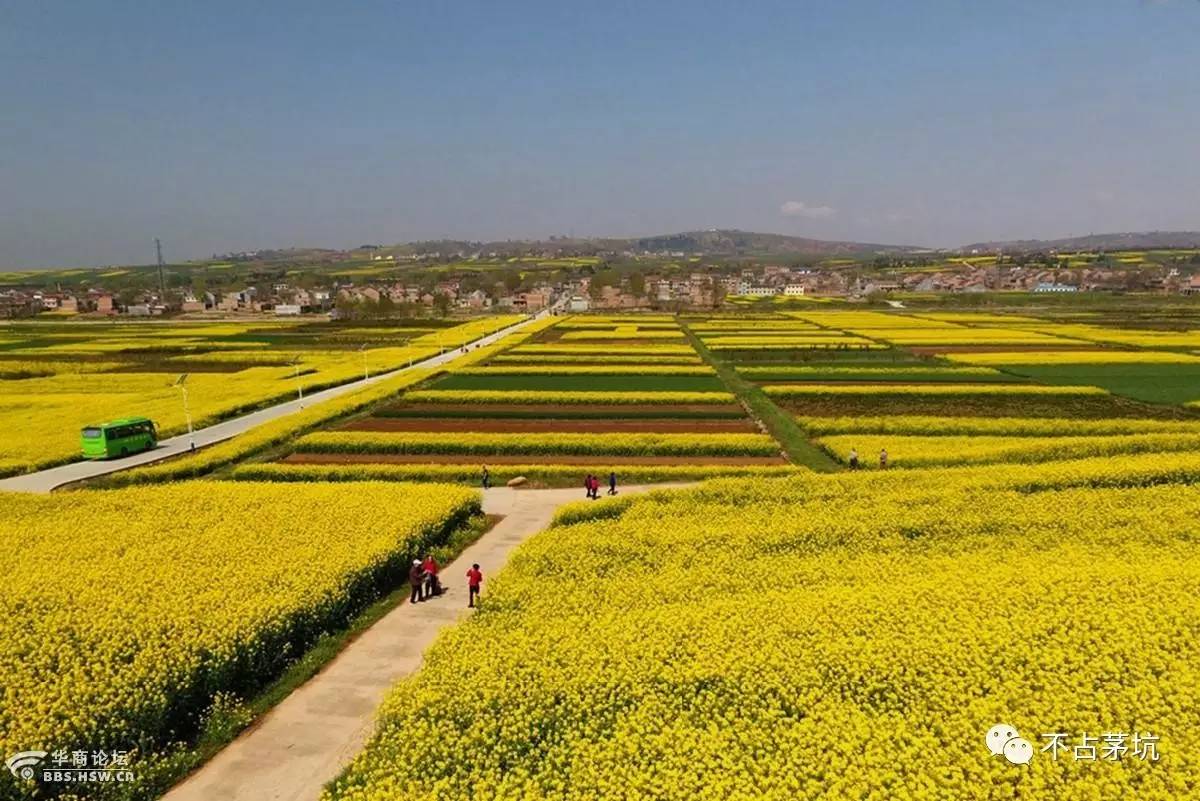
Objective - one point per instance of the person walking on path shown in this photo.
(853, 459)
(487, 478)
(883, 459)
(612, 482)
(433, 583)
(474, 579)
(416, 578)
(590, 484)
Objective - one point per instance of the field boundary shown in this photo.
(778, 423)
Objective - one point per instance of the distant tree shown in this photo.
(637, 283)
(307, 280)
(441, 302)
(718, 292)
(386, 307)
(347, 307)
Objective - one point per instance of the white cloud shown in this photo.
(798, 208)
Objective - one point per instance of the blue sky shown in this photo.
(224, 126)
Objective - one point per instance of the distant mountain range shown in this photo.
(732, 242)
(1136, 240)
(716, 242)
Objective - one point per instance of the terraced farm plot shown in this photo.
(1155, 382)
(68, 375)
(573, 382)
(554, 422)
(791, 635)
(980, 388)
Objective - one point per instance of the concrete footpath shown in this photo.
(306, 741)
(47, 480)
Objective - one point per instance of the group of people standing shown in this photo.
(592, 485)
(853, 459)
(423, 578)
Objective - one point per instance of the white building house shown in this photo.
(762, 291)
(794, 290)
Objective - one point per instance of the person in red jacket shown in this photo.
(474, 579)
(433, 585)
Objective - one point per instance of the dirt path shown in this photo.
(304, 742)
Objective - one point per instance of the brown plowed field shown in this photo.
(520, 425)
(467, 458)
(615, 410)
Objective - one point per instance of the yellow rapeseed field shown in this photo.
(835, 637)
(922, 451)
(42, 416)
(123, 611)
(591, 369)
(1108, 356)
(565, 397)
(489, 443)
(924, 425)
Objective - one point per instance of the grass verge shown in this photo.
(779, 423)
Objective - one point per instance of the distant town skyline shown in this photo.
(225, 127)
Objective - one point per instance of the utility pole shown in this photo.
(162, 284)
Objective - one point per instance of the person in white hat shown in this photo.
(416, 578)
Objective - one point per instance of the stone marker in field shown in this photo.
(518, 481)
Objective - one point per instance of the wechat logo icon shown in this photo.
(1003, 740)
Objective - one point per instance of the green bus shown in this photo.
(118, 438)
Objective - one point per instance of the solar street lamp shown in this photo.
(181, 382)
(299, 384)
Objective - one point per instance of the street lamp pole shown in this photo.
(299, 384)
(181, 382)
(363, 351)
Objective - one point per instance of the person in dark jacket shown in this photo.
(416, 578)
(612, 483)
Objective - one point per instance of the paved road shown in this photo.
(47, 480)
(306, 741)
